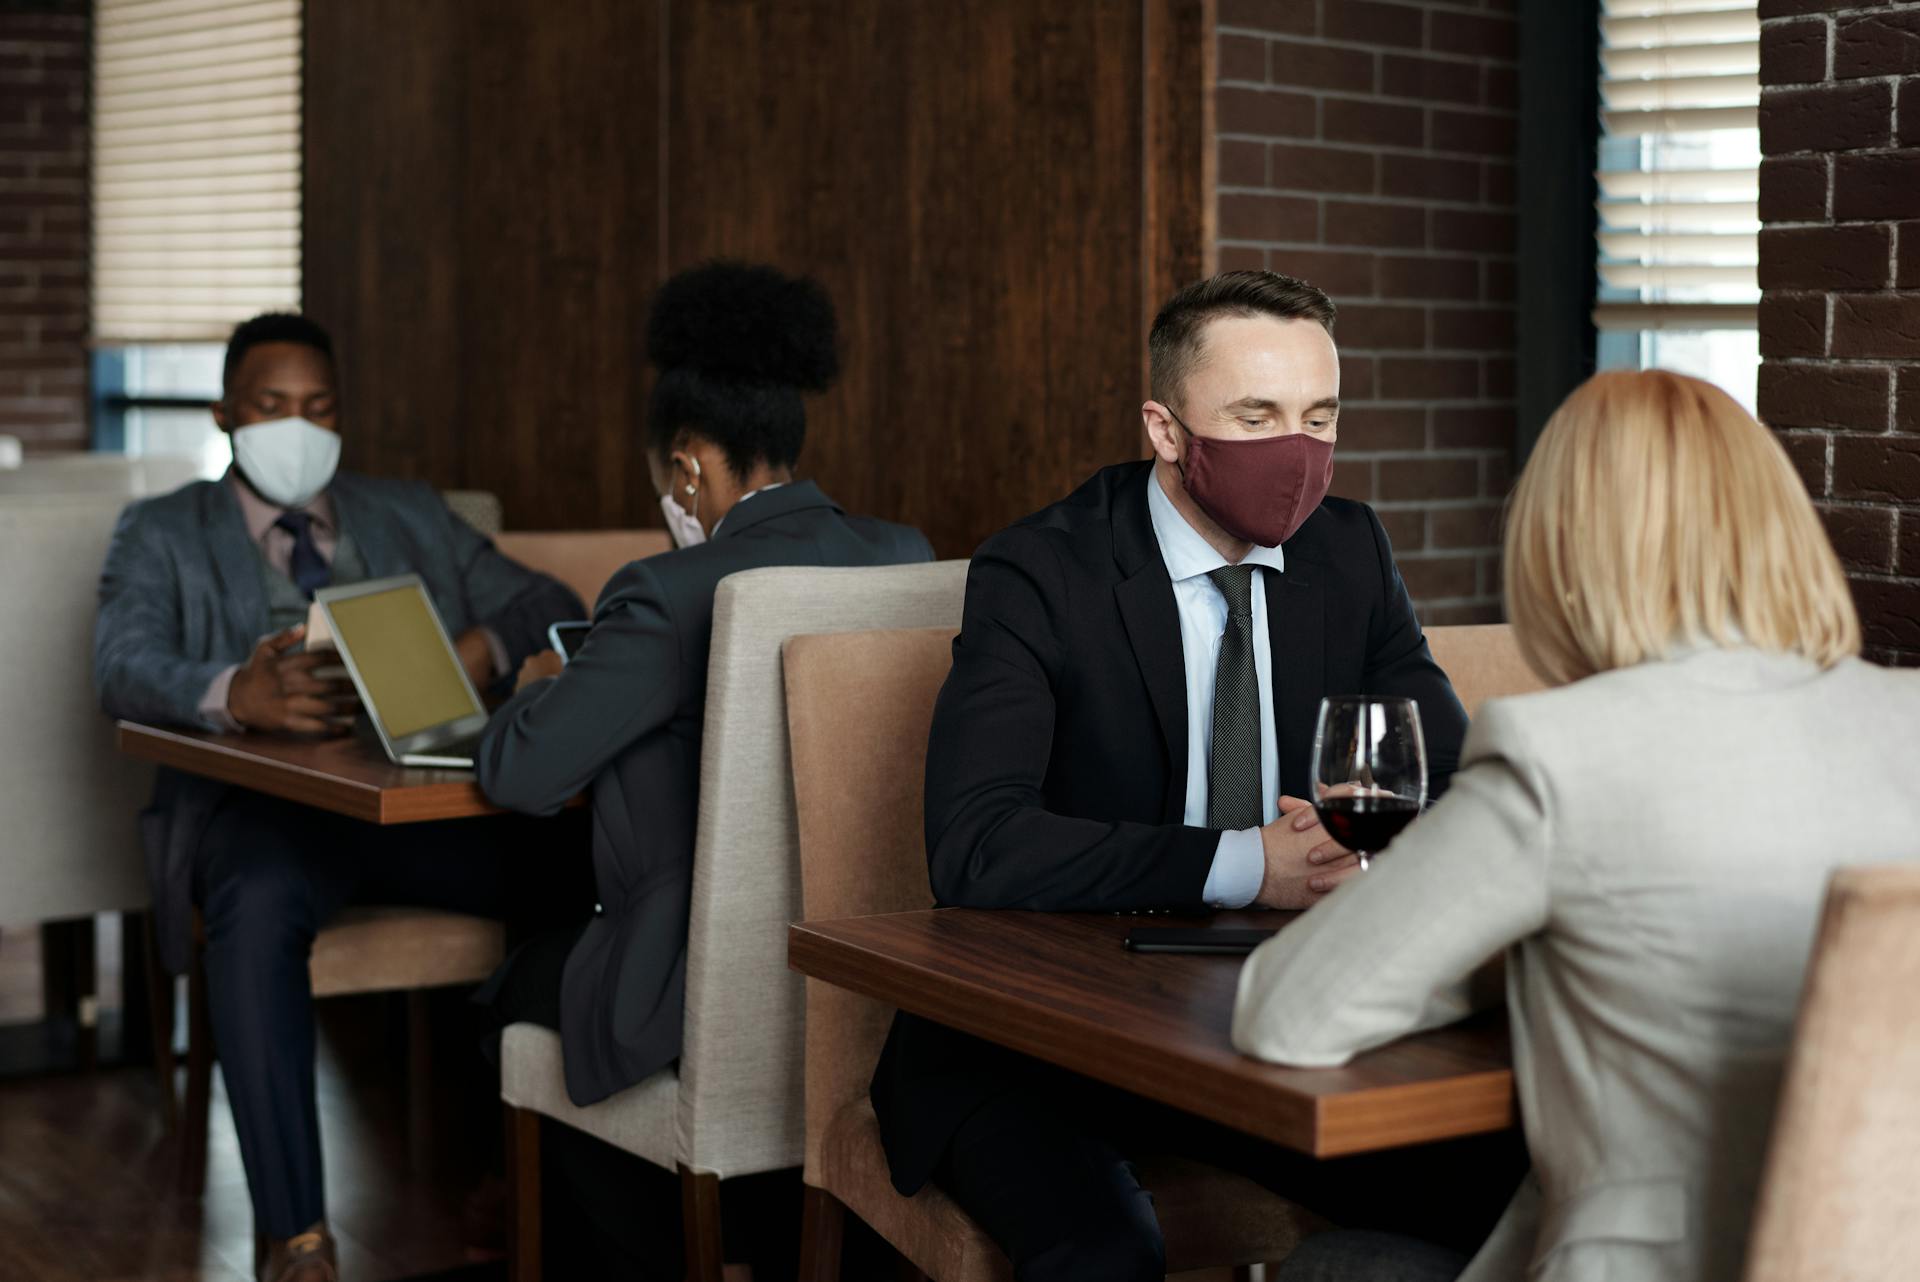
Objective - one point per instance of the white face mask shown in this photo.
(288, 461)
(681, 525)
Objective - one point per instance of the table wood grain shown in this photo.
(1059, 987)
(346, 776)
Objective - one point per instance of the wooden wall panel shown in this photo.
(996, 193)
(481, 234)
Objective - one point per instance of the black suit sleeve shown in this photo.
(1399, 663)
(991, 842)
(550, 740)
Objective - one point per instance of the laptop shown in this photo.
(402, 662)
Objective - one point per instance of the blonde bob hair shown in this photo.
(1656, 513)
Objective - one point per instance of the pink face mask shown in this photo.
(1261, 490)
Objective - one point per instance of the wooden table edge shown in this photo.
(1317, 1126)
(303, 784)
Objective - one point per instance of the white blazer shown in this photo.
(1651, 846)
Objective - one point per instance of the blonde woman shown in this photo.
(1649, 843)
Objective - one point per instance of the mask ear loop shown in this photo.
(693, 492)
(1180, 466)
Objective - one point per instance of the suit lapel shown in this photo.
(1145, 600)
(237, 566)
(373, 536)
(1296, 629)
(1153, 629)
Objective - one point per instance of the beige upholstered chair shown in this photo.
(478, 508)
(1483, 663)
(733, 1105)
(128, 476)
(1841, 1197)
(582, 559)
(69, 847)
(859, 706)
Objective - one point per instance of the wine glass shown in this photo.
(1369, 770)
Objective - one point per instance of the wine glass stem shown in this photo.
(1364, 859)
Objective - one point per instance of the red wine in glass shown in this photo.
(1369, 770)
(1366, 823)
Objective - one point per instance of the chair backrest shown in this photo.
(1840, 1201)
(740, 1063)
(1483, 663)
(69, 846)
(478, 508)
(582, 559)
(128, 476)
(859, 707)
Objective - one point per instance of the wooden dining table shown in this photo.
(1061, 988)
(348, 776)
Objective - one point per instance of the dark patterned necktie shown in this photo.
(1233, 767)
(306, 566)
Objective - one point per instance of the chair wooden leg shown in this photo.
(523, 1174)
(193, 1133)
(69, 985)
(823, 1225)
(419, 1080)
(700, 1209)
(86, 984)
(1243, 1273)
(160, 996)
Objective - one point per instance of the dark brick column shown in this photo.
(1840, 275)
(1369, 148)
(45, 60)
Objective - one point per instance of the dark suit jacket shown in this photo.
(625, 719)
(1057, 765)
(183, 596)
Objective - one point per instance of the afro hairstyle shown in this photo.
(737, 346)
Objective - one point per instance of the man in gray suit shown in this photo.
(202, 603)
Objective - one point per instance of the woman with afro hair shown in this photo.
(737, 347)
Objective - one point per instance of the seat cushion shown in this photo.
(639, 1120)
(1210, 1217)
(369, 950)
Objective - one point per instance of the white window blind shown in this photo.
(1679, 165)
(196, 166)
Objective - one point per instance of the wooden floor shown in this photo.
(87, 1189)
(87, 1171)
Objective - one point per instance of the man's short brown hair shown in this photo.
(1173, 345)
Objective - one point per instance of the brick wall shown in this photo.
(44, 59)
(1369, 147)
(1840, 281)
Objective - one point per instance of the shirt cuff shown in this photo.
(502, 661)
(213, 704)
(1239, 866)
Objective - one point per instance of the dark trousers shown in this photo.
(270, 875)
(1044, 1169)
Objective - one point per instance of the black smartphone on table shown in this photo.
(1221, 941)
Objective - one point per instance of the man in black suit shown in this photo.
(1132, 700)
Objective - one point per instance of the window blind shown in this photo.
(1678, 245)
(196, 166)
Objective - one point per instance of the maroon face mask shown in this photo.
(1261, 490)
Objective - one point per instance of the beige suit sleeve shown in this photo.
(1389, 953)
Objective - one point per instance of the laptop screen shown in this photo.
(412, 676)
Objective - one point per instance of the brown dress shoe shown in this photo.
(304, 1257)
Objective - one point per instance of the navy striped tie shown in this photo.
(306, 566)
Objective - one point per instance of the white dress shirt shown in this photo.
(1239, 863)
